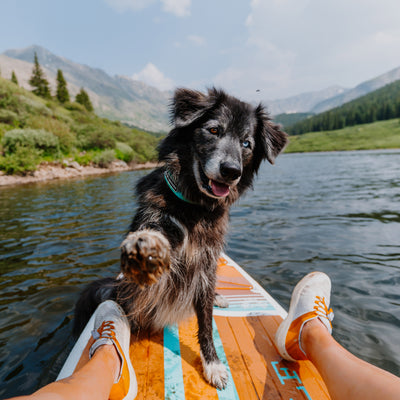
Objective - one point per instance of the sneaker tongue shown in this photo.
(219, 189)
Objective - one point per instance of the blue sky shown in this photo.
(256, 49)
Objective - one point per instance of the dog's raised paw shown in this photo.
(145, 255)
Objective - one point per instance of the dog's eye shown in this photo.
(214, 131)
(246, 144)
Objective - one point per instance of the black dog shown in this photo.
(169, 258)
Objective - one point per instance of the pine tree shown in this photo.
(38, 80)
(14, 78)
(62, 91)
(83, 98)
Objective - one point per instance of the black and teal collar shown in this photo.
(174, 187)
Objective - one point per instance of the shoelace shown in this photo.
(105, 330)
(322, 310)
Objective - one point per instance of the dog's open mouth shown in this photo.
(213, 187)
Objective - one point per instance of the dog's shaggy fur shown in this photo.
(169, 258)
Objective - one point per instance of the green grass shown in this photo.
(79, 134)
(377, 135)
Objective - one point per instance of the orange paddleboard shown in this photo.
(168, 364)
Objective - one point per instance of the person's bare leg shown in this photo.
(109, 374)
(306, 334)
(93, 381)
(346, 376)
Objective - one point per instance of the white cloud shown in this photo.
(197, 40)
(180, 8)
(152, 76)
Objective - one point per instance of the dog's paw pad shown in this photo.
(220, 301)
(145, 256)
(216, 374)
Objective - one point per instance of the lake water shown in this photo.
(334, 212)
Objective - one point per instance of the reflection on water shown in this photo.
(335, 212)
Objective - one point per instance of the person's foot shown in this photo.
(112, 327)
(310, 300)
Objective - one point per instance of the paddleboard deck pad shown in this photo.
(168, 365)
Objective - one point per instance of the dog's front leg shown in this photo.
(145, 255)
(214, 371)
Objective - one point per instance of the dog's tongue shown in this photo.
(219, 189)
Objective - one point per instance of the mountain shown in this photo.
(360, 90)
(304, 102)
(326, 99)
(114, 97)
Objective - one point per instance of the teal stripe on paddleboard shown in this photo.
(229, 393)
(173, 376)
(248, 306)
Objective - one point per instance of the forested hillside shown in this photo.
(35, 129)
(291, 118)
(382, 104)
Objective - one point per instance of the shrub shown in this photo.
(74, 106)
(56, 127)
(124, 152)
(8, 117)
(93, 137)
(86, 157)
(3, 129)
(32, 138)
(23, 161)
(8, 101)
(105, 158)
(144, 147)
(32, 105)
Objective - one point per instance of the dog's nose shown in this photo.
(230, 171)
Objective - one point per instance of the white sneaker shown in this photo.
(112, 327)
(310, 300)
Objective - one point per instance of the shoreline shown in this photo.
(47, 172)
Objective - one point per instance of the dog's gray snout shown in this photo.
(230, 171)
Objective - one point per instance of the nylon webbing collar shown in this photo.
(174, 187)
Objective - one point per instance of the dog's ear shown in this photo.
(189, 105)
(270, 139)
